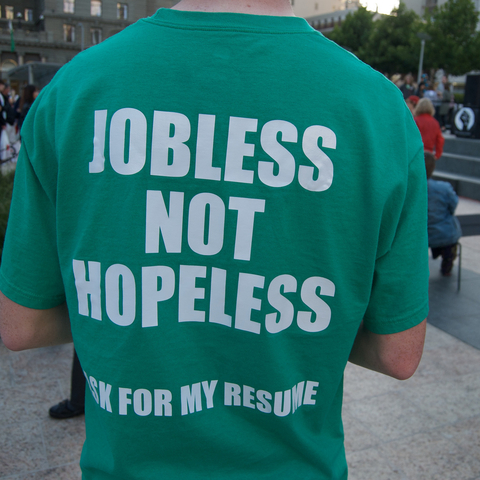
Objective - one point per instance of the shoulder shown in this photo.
(440, 185)
(426, 120)
(353, 73)
(88, 69)
(100, 57)
(423, 117)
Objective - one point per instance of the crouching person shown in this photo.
(444, 229)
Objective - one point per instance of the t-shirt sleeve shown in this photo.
(30, 271)
(399, 297)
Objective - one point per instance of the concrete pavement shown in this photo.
(425, 428)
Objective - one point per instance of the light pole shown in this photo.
(423, 37)
(39, 23)
(82, 45)
(19, 20)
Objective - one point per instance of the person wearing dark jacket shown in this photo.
(444, 229)
(7, 113)
(30, 93)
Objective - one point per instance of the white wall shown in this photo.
(310, 8)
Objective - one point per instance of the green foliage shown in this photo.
(355, 31)
(454, 44)
(391, 43)
(6, 188)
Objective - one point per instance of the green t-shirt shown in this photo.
(221, 199)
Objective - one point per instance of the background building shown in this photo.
(326, 22)
(54, 31)
(315, 8)
(324, 15)
(421, 6)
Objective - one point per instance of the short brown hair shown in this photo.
(430, 163)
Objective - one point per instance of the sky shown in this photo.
(384, 6)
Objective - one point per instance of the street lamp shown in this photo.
(19, 20)
(423, 37)
(39, 22)
(82, 44)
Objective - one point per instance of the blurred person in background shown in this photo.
(429, 127)
(30, 93)
(444, 229)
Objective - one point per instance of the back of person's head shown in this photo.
(413, 99)
(424, 105)
(396, 79)
(429, 163)
(28, 95)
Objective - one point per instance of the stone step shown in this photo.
(470, 224)
(462, 146)
(459, 164)
(465, 186)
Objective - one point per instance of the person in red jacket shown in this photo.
(429, 127)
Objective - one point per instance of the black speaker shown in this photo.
(466, 122)
(472, 91)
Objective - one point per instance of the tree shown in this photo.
(455, 44)
(355, 31)
(393, 45)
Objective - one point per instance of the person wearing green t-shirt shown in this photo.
(219, 243)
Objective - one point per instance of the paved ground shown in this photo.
(426, 428)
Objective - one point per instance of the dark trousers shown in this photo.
(448, 254)
(77, 387)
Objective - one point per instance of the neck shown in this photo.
(279, 8)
